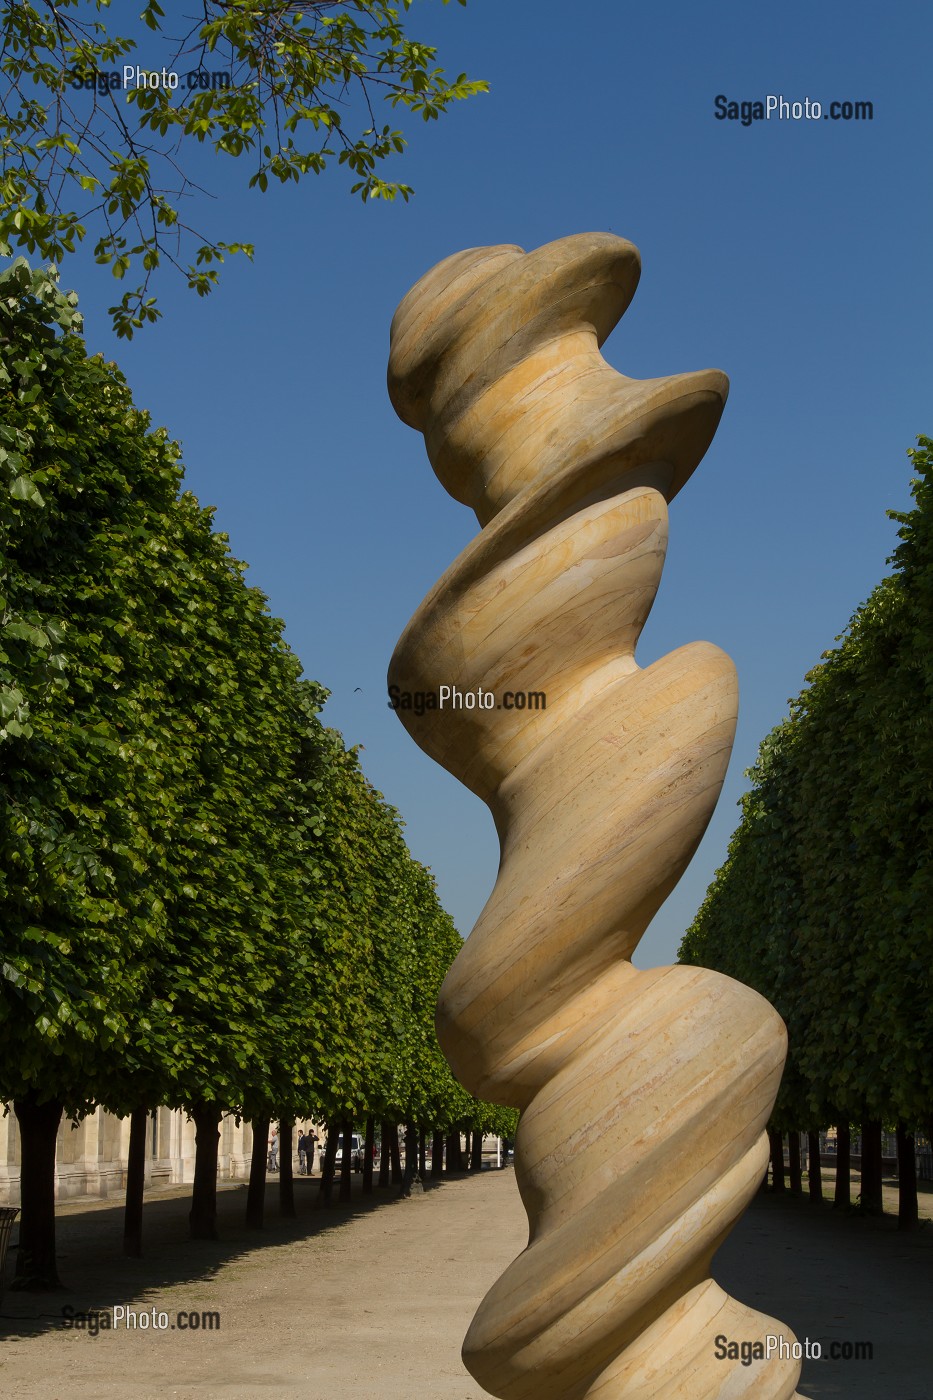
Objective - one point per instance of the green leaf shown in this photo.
(25, 489)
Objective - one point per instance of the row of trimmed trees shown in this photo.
(472, 1121)
(825, 901)
(203, 902)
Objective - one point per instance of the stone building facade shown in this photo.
(92, 1155)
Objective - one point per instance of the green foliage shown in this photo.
(31, 307)
(825, 902)
(203, 899)
(80, 474)
(153, 721)
(303, 81)
(380, 945)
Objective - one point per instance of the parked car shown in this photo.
(357, 1149)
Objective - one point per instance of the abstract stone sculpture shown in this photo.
(643, 1095)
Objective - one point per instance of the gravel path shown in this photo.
(370, 1301)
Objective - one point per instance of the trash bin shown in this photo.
(7, 1215)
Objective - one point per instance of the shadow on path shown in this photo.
(96, 1274)
(315, 1311)
(838, 1277)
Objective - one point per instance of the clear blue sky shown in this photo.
(796, 256)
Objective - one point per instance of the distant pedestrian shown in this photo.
(302, 1154)
(274, 1151)
(309, 1149)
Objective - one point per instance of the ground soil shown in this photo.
(370, 1300)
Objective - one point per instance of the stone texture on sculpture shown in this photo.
(643, 1094)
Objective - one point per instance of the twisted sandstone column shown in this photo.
(643, 1095)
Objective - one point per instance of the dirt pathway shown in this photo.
(370, 1301)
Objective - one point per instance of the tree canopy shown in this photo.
(96, 120)
(204, 902)
(825, 901)
(153, 714)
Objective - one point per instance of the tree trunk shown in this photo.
(135, 1185)
(842, 1194)
(36, 1269)
(476, 1152)
(422, 1153)
(256, 1192)
(328, 1163)
(793, 1163)
(202, 1217)
(286, 1173)
(777, 1159)
(437, 1154)
(397, 1175)
(454, 1152)
(384, 1159)
(872, 1199)
(368, 1154)
(907, 1214)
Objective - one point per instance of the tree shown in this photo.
(152, 717)
(204, 902)
(79, 477)
(292, 86)
(315, 1007)
(824, 903)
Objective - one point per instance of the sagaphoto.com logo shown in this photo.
(777, 107)
(450, 697)
(120, 1317)
(748, 1350)
(131, 77)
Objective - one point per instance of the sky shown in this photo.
(793, 255)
